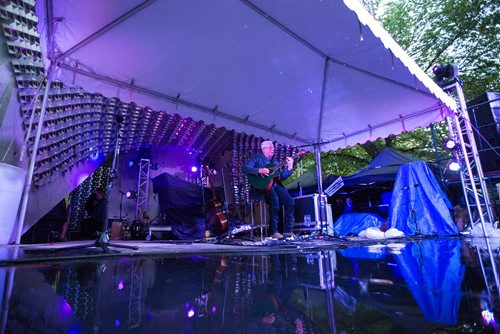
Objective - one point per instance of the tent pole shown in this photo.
(317, 152)
(31, 168)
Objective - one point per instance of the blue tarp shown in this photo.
(419, 204)
(354, 223)
(434, 274)
(369, 253)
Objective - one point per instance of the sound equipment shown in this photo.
(484, 113)
(307, 215)
(264, 183)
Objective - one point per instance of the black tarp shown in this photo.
(383, 168)
(181, 204)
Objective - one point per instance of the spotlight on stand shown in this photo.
(450, 144)
(445, 74)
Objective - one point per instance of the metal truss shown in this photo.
(141, 204)
(471, 174)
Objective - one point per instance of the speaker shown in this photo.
(484, 114)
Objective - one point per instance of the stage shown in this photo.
(64, 251)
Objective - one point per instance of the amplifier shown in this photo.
(307, 214)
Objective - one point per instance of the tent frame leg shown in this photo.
(471, 175)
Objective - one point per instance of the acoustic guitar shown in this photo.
(264, 183)
(217, 220)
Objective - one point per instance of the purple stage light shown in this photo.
(121, 285)
(194, 169)
(128, 194)
(488, 316)
(190, 313)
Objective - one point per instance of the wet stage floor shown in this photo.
(424, 286)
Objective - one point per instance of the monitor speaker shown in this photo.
(484, 113)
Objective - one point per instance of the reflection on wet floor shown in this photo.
(429, 286)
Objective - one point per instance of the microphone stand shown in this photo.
(102, 240)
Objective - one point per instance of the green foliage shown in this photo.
(463, 32)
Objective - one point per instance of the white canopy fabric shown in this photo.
(287, 70)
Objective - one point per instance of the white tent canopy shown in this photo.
(288, 70)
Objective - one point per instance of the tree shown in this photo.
(463, 32)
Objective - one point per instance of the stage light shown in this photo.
(194, 169)
(131, 163)
(190, 313)
(95, 155)
(443, 71)
(120, 284)
(450, 144)
(131, 194)
(454, 166)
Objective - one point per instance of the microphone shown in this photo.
(409, 187)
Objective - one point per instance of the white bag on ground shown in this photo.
(394, 233)
(372, 233)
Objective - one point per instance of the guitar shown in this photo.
(217, 220)
(264, 183)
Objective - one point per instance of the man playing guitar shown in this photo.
(274, 192)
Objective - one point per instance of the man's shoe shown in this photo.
(288, 235)
(277, 235)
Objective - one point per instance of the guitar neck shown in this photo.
(283, 163)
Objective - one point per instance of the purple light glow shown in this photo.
(488, 317)
(82, 177)
(214, 309)
(191, 313)
(121, 285)
(65, 307)
(194, 169)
